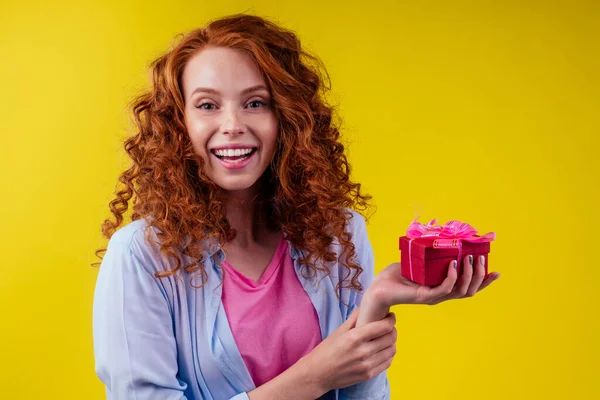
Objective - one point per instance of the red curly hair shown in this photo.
(309, 187)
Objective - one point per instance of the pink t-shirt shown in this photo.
(272, 320)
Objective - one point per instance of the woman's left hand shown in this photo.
(390, 288)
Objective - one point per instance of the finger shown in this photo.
(376, 329)
(487, 281)
(383, 359)
(462, 285)
(382, 342)
(445, 287)
(467, 274)
(348, 324)
(477, 278)
(351, 321)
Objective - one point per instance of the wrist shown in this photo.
(372, 307)
(312, 381)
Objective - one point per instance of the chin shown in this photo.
(236, 184)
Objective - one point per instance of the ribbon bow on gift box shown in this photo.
(449, 235)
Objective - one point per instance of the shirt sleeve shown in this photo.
(134, 344)
(377, 388)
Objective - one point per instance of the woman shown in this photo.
(244, 266)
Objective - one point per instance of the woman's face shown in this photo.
(229, 117)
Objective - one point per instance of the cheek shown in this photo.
(273, 144)
(199, 145)
(270, 137)
(199, 138)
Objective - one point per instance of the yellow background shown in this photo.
(486, 112)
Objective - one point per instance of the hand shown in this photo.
(389, 287)
(351, 355)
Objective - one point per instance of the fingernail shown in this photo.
(454, 264)
(482, 260)
(470, 259)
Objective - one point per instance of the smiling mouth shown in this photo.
(230, 155)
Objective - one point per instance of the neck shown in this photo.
(246, 214)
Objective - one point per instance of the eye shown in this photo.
(257, 104)
(202, 106)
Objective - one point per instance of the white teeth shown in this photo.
(232, 153)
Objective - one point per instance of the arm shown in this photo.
(294, 383)
(134, 345)
(378, 387)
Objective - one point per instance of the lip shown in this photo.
(234, 164)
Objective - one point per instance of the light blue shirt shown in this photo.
(161, 338)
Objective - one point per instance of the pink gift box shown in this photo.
(427, 250)
(430, 264)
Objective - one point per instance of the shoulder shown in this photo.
(129, 246)
(128, 233)
(357, 225)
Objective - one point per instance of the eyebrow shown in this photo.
(214, 91)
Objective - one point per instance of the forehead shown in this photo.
(224, 69)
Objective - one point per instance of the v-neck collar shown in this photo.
(267, 273)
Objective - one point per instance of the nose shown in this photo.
(232, 124)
